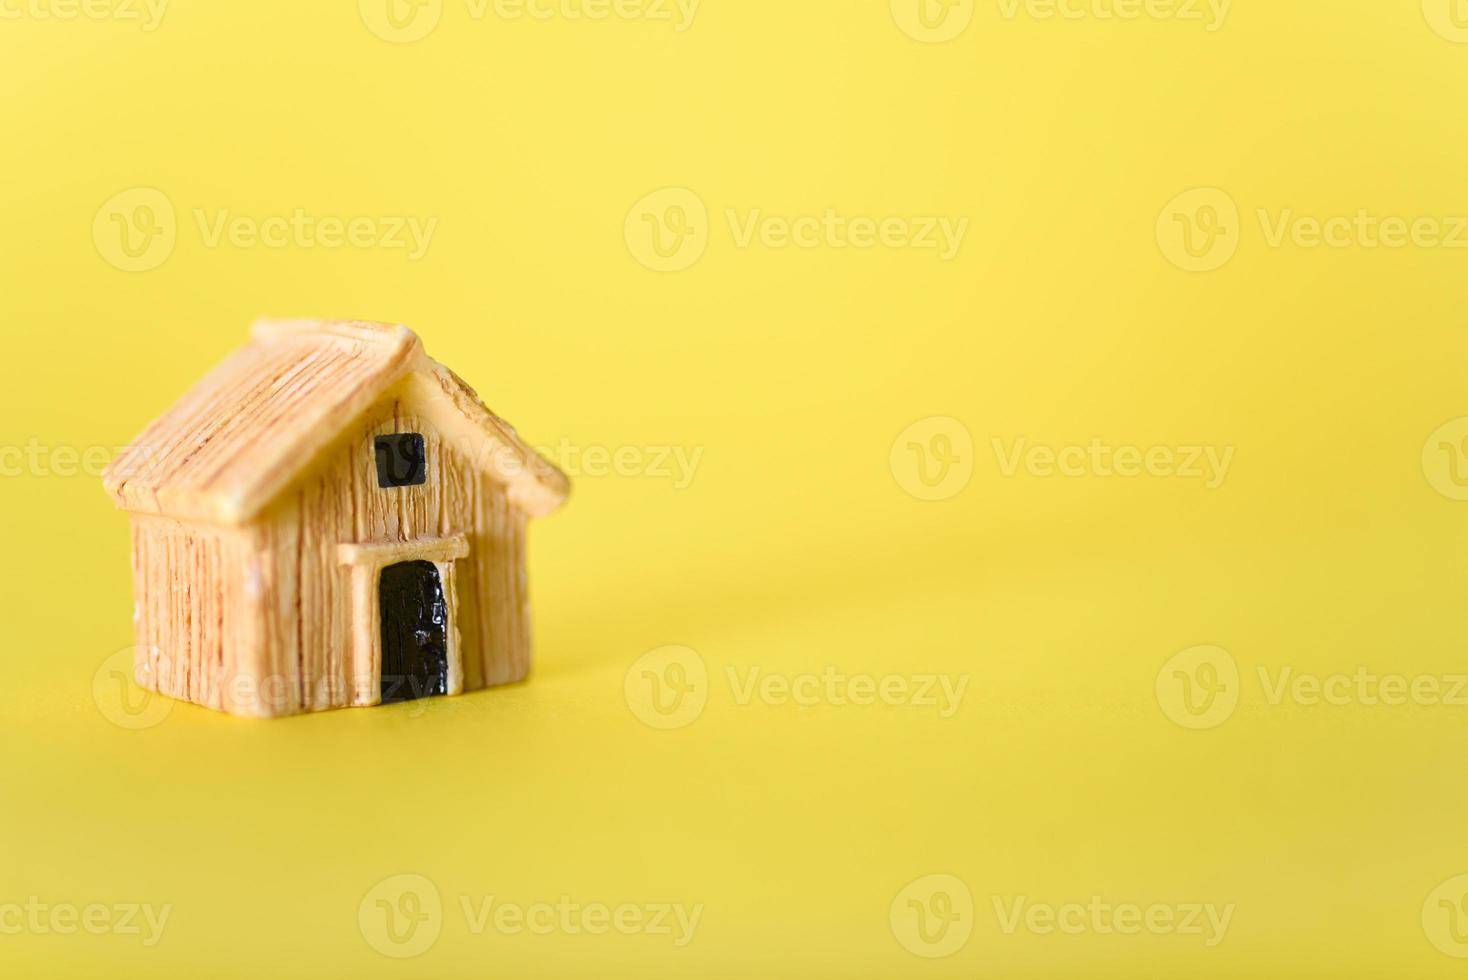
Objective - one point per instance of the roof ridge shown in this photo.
(249, 427)
(367, 331)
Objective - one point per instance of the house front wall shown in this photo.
(318, 643)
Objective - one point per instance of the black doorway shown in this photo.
(415, 661)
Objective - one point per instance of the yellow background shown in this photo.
(795, 547)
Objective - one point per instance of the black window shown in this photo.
(400, 460)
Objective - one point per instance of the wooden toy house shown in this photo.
(330, 518)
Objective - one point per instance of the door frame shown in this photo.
(364, 656)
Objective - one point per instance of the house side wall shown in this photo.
(306, 592)
(197, 621)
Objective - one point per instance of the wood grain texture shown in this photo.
(196, 615)
(310, 589)
(275, 613)
(240, 436)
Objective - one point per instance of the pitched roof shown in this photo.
(250, 426)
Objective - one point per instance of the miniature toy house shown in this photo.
(330, 518)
